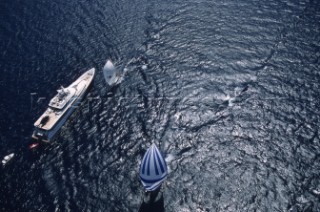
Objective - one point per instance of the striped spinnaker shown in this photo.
(153, 169)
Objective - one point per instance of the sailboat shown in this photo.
(153, 169)
(111, 75)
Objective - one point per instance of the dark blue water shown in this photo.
(229, 90)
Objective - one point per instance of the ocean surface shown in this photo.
(228, 90)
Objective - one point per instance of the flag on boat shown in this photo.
(153, 169)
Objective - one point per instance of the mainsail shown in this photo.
(153, 169)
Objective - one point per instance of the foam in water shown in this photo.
(169, 158)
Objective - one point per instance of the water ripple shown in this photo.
(227, 90)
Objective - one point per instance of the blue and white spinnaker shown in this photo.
(153, 169)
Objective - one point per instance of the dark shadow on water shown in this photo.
(152, 202)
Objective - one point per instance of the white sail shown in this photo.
(110, 73)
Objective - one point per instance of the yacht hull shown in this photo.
(57, 117)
